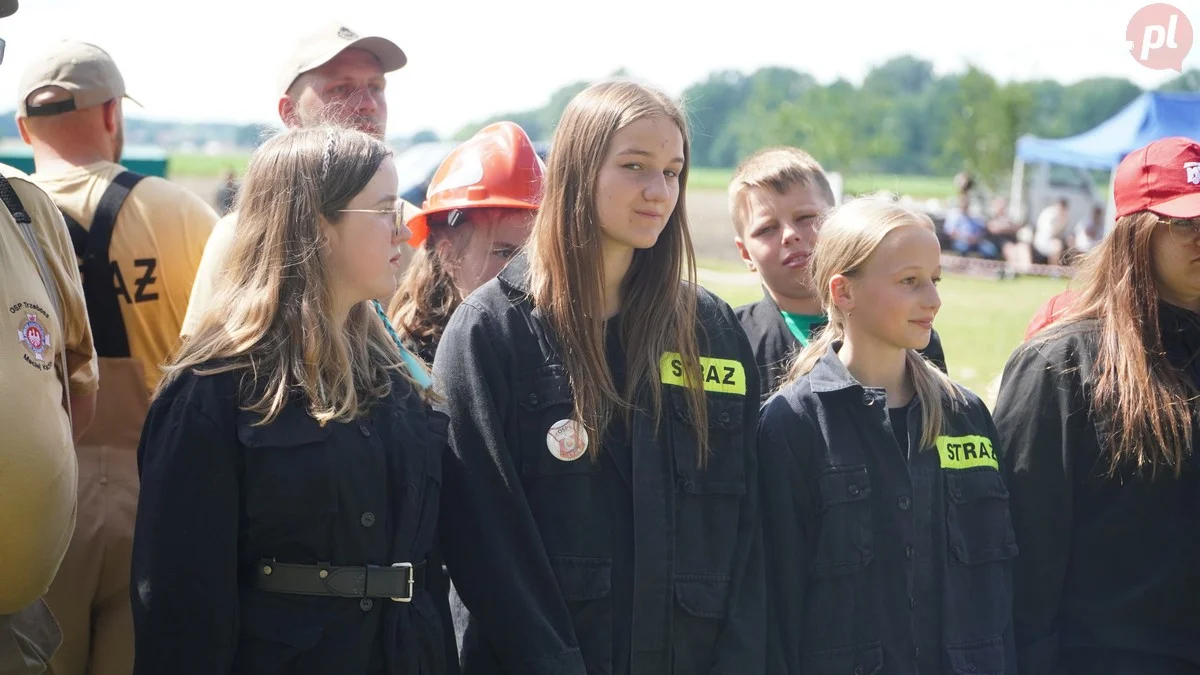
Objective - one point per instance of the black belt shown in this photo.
(397, 582)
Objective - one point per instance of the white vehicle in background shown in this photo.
(1036, 186)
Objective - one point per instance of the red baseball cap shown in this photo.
(1162, 177)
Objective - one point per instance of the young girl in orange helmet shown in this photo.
(478, 214)
(600, 505)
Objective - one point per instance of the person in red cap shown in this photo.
(478, 214)
(1097, 417)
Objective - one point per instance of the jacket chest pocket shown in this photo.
(846, 540)
(978, 525)
(288, 472)
(544, 398)
(562, 487)
(710, 498)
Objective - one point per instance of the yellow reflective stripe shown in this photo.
(966, 452)
(722, 375)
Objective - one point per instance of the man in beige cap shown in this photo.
(48, 385)
(333, 76)
(139, 240)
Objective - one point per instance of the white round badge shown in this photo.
(567, 440)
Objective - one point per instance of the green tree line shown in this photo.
(903, 118)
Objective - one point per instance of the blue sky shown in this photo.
(216, 60)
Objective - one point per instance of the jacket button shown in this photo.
(533, 399)
(971, 667)
(957, 492)
(868, 399)
(853, 490)
(366, 431)
(724, 417)
(367, 519)
(858, 670)
(904, 502)
(908, 552)
(912, 603)
(366, 604)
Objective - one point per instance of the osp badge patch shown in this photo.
(33, 335)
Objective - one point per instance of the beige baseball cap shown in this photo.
(318, 48)
(84, 70)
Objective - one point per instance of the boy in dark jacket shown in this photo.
(776, 200)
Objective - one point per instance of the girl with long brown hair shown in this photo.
(1097, 414)
(477, 216)
(889, 548)
(600, 498)
(290, 464)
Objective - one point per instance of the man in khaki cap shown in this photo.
(333, 76)
(48, 385)
(139, 240)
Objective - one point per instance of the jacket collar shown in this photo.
(781, 323)
(830, 374)
(515, 274)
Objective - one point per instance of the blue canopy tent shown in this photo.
(1149, 117)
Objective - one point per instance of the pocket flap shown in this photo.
(841, 484)
(707, 598)
(985, 657)
(970, 485)
(582, 578)
(723, 413)
(860, 660)
(292, 427)
(543, 388)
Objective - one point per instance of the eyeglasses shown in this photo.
(1183, 227)
(398, 220)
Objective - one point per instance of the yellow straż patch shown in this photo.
(966, 452)
(722, 375)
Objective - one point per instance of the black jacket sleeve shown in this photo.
(742, 643)
(184, 583)
(1035, 415)
(489, 537)
(785, 516)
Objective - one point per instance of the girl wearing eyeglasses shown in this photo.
(1097, 415)
(290, 465)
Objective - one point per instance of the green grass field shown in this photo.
(206, 166)
(981, 321)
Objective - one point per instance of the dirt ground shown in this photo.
(712, 232)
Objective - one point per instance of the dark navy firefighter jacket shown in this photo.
(774, 345)
(639, 561)
(881, 558)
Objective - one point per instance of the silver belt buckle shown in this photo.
(411, 581)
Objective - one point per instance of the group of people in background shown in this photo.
(506, 431)
(992, 233)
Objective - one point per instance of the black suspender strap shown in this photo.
(99, 288)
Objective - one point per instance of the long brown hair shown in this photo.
(272, 306)
(428, 295)
(849, 235)
(1147, 403)
(567, 279)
